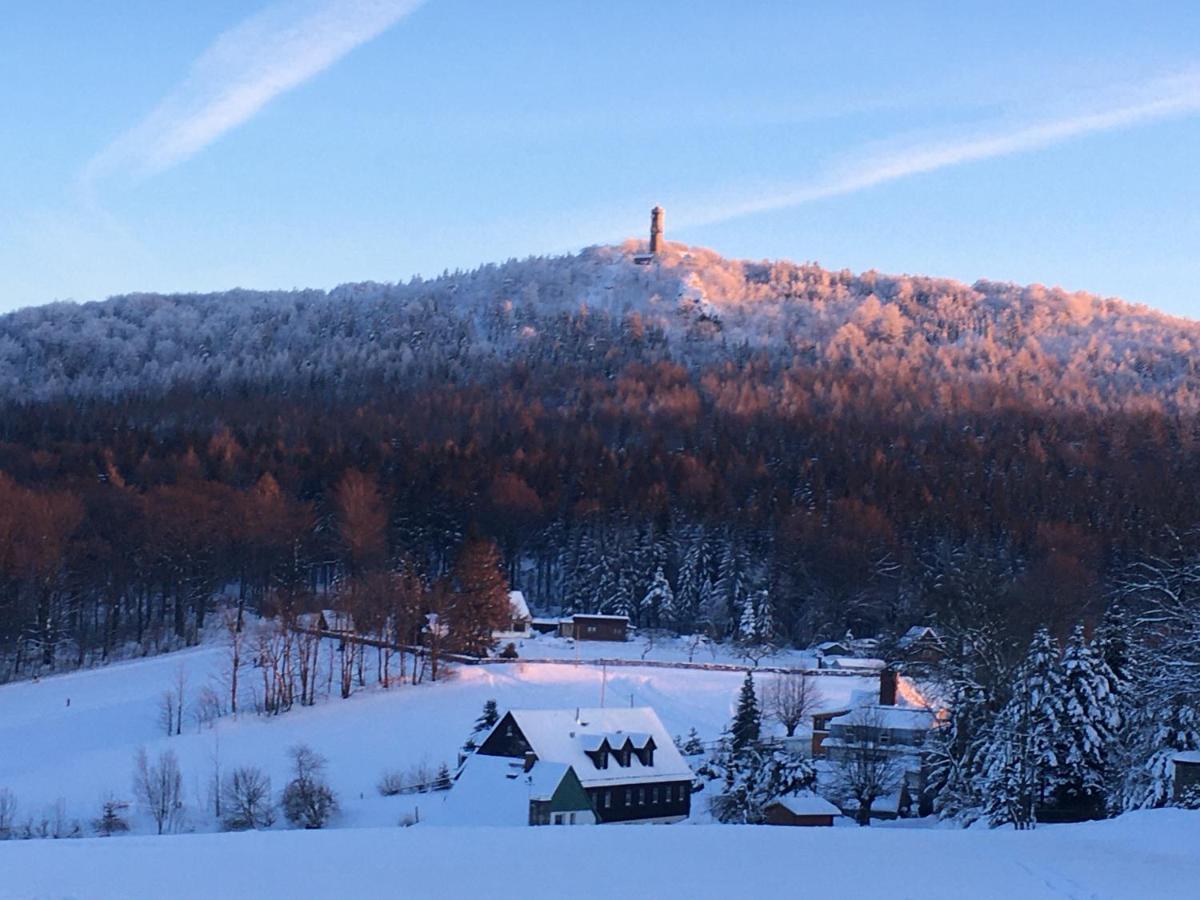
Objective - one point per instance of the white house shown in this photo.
(624, 758)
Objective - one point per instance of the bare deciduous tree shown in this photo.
(790, 699)
(171, 704)
(246, 797)
(158, 787)
(8, 813)
(308, 801)
(866, 769)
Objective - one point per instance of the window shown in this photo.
(558, 818)
(608, 799)
(641, 796)
(571, 820)
(628, 796)
(508, 730)
(654, 795)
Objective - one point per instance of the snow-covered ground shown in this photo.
(654, 649)
(84, 750)
(1151, 855)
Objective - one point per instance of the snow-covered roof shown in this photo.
(496, 790)
(901, 718)
(520, 609)
(807, 803)
(600, 616)
(1188, 756)
(918, 633)
(853, 662)
(557, 735)
(826, 646)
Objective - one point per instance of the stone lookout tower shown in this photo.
(656, 229)
(656, 238)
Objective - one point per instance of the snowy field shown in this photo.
(84, 750)
(653, 649)
(1151, 855)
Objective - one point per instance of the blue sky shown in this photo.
(168, 145)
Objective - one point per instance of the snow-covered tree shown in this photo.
(746, 726)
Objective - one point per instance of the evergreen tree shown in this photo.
(489, 717)
(1021, 761)
(659, 598)
(747, 720)
(1090, 718)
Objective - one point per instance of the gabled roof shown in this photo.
(520, 609)
(806, 803)
(496, 790)
(561, 736)
(919, 634)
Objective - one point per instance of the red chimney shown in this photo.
(887, 687)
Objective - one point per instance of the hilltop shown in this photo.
(1033, 344)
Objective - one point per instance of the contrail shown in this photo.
(243, 70)
(1165, 99)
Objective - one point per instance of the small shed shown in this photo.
(1187, 772)
(806, 809)
(595, 627)
(544, 625)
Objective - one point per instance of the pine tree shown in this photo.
(659, 598)
(1090, 717)
(489, 717)
(1020, 765)
(747, 720)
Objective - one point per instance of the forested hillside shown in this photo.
(796, 451)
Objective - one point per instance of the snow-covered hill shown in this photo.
(74, 736)
(692, 305)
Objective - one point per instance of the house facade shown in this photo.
(497, 790)
(594, 627)
(624, 759)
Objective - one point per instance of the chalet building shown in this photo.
(624, 759)
(1187, 772)
(594, 627)
(921, 644)
(497, 790)
(806, 809)
(519, 619)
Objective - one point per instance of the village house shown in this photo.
(519, 619)
(921, 644)
(624, 759)
(895, 723)
(594, 627)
